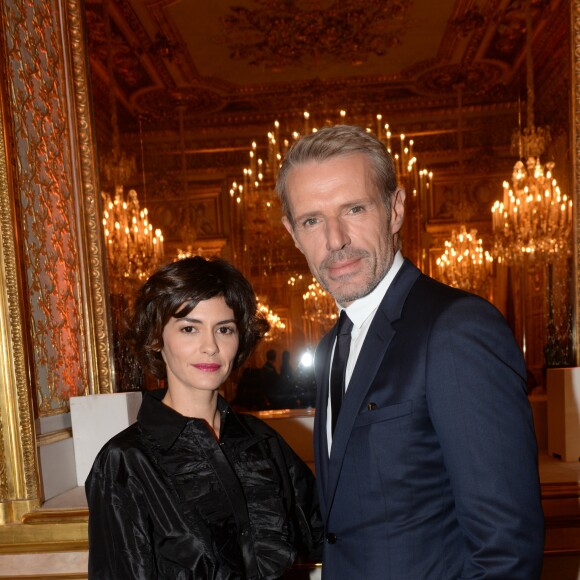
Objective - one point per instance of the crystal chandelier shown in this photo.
(260, 176)
(464, 264)
(133, 248)
(319, 306)
(534, 218)
(277, 327)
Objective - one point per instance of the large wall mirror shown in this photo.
(167, 115)
(186, 98)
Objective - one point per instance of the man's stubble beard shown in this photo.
(372, 280)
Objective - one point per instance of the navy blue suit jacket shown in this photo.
(433, 471)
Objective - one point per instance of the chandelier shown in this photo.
(319, 306)
(133, 248)
(534, 218)
(277, 327)
(256, 187)
(464, 264)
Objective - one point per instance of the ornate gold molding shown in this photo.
(99, 343)
(575, 163)
(47, 531)
(18, 471)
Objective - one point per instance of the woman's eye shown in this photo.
(226, 330)
(188, 329)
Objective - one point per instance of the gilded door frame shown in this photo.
(20, 487)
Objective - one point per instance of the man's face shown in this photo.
(341, 224)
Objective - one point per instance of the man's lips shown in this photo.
(341, 268)
(207, 367)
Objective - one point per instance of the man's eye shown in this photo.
(357, 209)
(309, 222)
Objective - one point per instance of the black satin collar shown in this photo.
(165, 425)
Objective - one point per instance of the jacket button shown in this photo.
(371, 406)
(331, 538)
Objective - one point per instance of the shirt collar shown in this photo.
(364, 307)
(162, 422)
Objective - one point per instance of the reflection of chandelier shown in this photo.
(534, 218)
(464, 264)
(258, 179)
(319, 306)
(134, 250)
(277, 327)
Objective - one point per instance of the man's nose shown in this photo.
(336, 235)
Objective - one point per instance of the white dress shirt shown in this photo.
(361, 312)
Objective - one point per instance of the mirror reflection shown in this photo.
(196, 105)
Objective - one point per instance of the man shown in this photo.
(431, 469)
(270, 364)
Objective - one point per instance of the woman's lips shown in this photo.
(207, 367)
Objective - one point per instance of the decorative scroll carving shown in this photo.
(476, 77)
(46, 194)
(156, 101)
(291, 33)
(14, 377)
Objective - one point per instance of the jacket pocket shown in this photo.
(377, 415)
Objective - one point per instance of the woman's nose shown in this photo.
(209, 345)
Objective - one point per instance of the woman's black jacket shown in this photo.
(168, 500)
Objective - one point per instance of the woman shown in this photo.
(193, 490)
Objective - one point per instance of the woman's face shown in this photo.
(200, 348)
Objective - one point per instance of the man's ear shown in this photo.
(290, 230)
(397, 210)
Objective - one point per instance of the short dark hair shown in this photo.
(174, 290)
(339, 141)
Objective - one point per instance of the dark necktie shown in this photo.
(338, 370)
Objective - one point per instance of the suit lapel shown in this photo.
(375, 346)
(372, 354)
